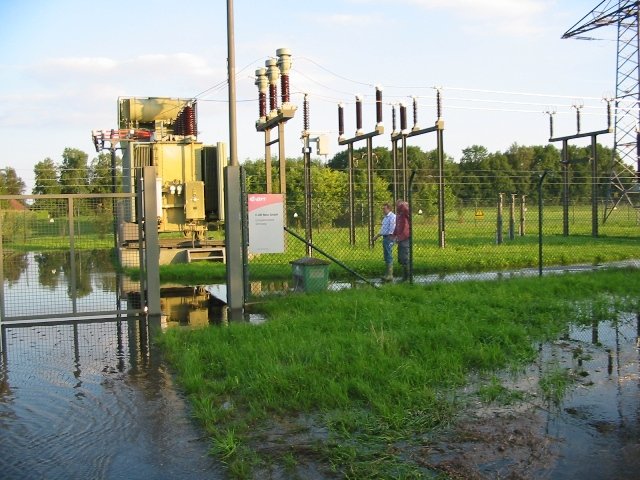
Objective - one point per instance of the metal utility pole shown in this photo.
(625, 15)
(361, 135)
(234, 243)
(566, 164)
(402, 135)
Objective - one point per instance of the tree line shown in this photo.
(477, 177)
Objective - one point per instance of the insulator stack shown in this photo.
(262, 82)
(358, 114)
(273, 73)
(284, 66)
(340, 120)
(578, 119)
(190, 120)
(262, 104)
(284, 87)
(550, 125)
(438, 104)
(393, 118)
(608, 114)
(273, 97)
(403, 117)
(415, 112)
(178, 126)
(305, 113)
(378, 106)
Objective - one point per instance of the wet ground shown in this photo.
(592, 433)
(94, 401)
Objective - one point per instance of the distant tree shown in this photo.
(10, 182)
(46, 178)
(100, 175)
(74, 171)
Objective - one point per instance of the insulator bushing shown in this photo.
(189, 121)
(378, 106)
(273, 73)
(273, 97)
(393, 118)
(358, 113)
(262, 82)
(415, 112)
(262, 104)
(403, 117)
(284, 87)
(340, 120)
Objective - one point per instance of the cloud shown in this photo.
(348, 20)
(487, 8)
(509, 17)
(66, 68)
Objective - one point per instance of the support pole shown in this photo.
(565, 188)
(370, 191)
(441, 206)
(151, 242)
(523, 210)
(594, 187)
(512, 217)
(499, 220)
(233, 200)
(540, 223)
(352, 217)
(267, 160)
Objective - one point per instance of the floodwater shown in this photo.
(94, 400)
(593, 432)
(89, 399)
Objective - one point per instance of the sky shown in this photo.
(499, 65)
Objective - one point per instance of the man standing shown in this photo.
(401, 235)
(386, 232)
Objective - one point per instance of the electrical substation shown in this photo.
(162, 132)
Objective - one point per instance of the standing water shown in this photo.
(88, 399)
(94, 400)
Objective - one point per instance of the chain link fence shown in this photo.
(57, 256)
(513, 233)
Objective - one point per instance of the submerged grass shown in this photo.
(371, 367)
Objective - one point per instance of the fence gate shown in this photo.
(60, 257)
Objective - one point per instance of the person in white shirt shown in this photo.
(386, 232)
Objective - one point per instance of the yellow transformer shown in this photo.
(189, 174)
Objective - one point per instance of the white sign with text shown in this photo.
(266, 222)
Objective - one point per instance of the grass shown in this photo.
(365, 372)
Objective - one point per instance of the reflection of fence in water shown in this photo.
(57, 255)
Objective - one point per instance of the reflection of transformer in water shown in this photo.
(189, 174)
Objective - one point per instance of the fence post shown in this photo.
(151, 243)
(499, 220)
(2, 310)
(512, 219)
(523, 210)
(540, 207)
(72, 254)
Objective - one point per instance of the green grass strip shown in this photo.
(372, 367)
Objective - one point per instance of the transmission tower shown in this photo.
(624, 14)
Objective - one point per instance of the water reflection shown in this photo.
(94, 400)
(54, 283)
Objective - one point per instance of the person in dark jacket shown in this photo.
(401, 235)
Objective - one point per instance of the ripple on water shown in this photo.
(89, 401)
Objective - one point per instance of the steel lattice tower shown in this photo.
(626, 151)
